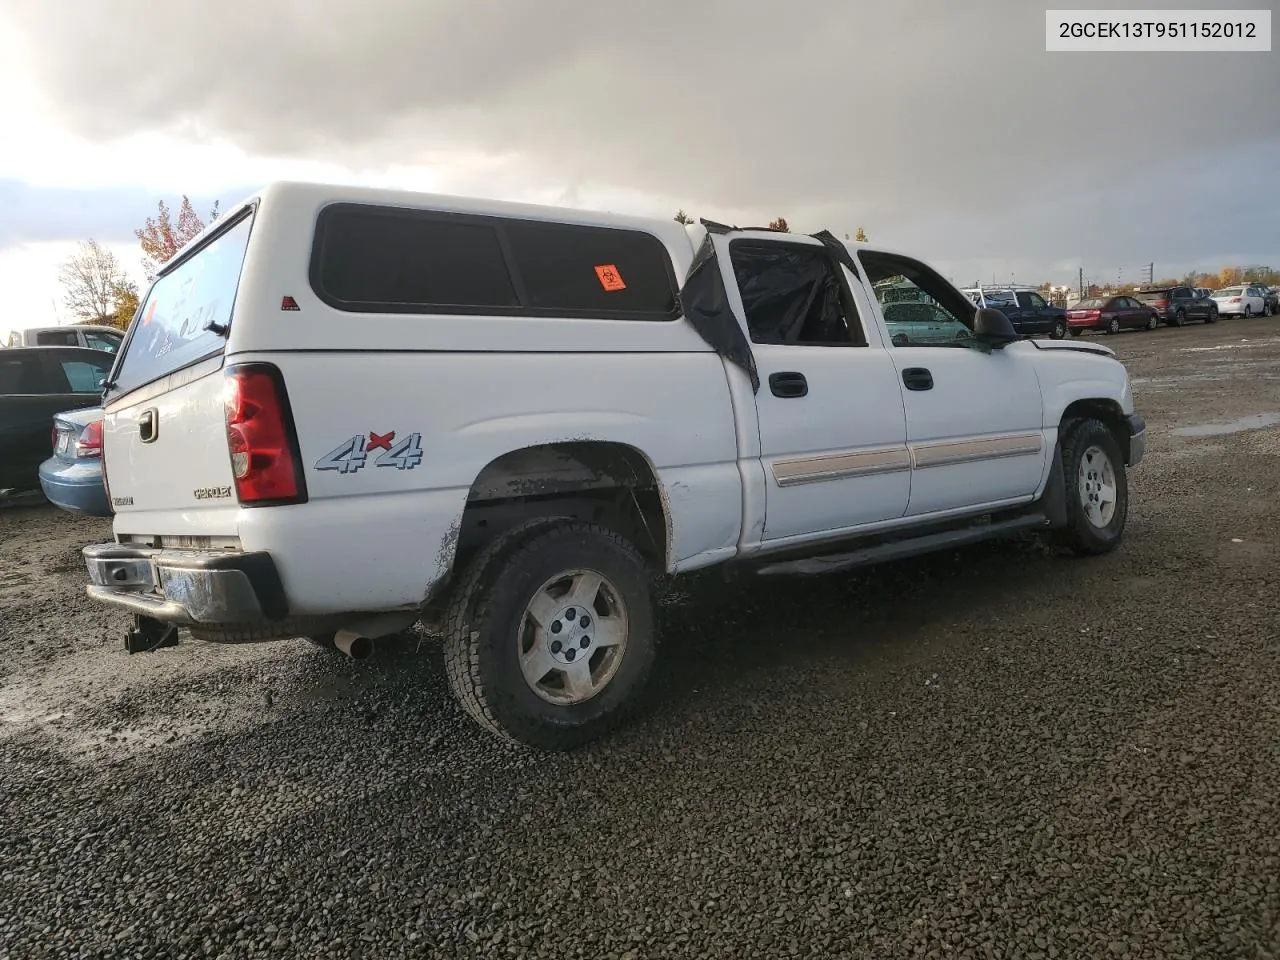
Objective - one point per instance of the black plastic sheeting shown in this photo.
(784, 295)
(706, 305)
(789, 295)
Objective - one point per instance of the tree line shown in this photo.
(97, 289)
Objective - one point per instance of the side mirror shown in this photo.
(993, 327)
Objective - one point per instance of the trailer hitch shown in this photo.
(149, 634)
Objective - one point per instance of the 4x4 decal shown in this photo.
(352, 454)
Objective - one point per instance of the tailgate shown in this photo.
(169, 451)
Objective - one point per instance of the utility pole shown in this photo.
(1082, 283)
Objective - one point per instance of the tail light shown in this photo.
(1161, 304)
(261, 438)
(1094, 314)
(90, 442)
(1234, 300)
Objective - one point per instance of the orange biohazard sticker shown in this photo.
(610, 278)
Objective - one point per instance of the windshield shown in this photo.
(172, 328)
(1090, 304)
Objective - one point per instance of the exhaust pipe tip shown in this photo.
(355, 645)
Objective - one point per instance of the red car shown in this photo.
(1111, 314)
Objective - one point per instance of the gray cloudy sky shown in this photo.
(942, 127)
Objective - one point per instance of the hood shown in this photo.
(1074, 345)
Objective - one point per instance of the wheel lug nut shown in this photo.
(584, 622)
(571, 614)
(556, 626)
(584, 642)
(570, 653)
(555, 646)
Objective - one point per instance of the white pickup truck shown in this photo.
(342, 410)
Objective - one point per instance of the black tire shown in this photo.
(1114, 325)
(1081, 536)
(1179, 318)
(1059, 330)
(485, 614)
(1248, 311)
(1211, 316)
(1076, 331)
(1153, 322)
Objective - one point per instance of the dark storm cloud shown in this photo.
(914, 118)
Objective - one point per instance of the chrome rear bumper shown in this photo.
(186, 586)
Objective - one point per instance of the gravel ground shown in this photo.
(993, 753)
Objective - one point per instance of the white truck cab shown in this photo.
(342, 410)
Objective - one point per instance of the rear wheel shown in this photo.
(1211, 316)
(1114, 325)
(549, 638)
(1153, 322)
(1248, 310)
(1059, 330)
(1179, 318)
(1097, 489)
(1076, 331)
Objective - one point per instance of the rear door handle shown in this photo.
(149, 425)
(788, 384)
(917, 378)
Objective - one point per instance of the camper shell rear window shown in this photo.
(187, 312)
(375, 259)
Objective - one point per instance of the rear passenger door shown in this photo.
(829, 409)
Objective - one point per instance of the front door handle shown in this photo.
(788, 384)
(149, 425)
(917, 378)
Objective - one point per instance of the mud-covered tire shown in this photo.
(1082, 535)
(482, 633)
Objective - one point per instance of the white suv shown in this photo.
(341, 410)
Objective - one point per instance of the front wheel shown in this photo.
(1211, 317)
(1097, 489)
(1153, 322)
(549, 638)
(1248, 311)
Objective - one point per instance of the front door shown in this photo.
(830, 413)
(974, 415)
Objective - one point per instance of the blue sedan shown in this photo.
(72, 477)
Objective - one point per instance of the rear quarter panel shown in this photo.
(379, 536)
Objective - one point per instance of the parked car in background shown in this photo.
(1204, 291)
(1026, 309)
(72, 478)
(1271, 296)
(1111, 314)
(1243, 300)
(921, 322)
(36, 384)
(107, 339)
(1176, 305)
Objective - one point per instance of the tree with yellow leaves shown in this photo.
(161, 239)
